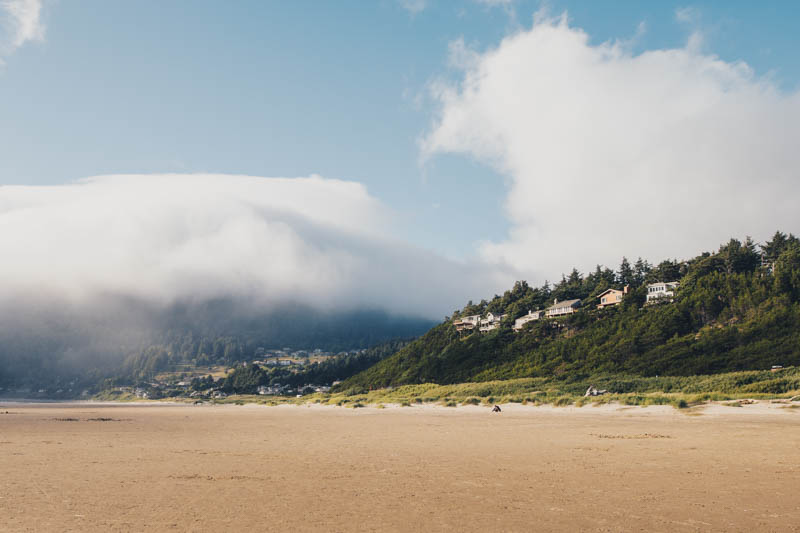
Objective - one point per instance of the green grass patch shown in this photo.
(678, 391)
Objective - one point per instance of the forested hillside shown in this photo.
(247, 379)
(55, 350)
(736, 309)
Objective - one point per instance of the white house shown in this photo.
(467, 322)
(524, 319)
(491, 322)
(657, 291)
(566, 307)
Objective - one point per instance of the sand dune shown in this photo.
(227, 468)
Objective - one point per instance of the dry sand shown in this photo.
(231, 468)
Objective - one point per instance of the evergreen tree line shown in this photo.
(245, 379)
(71, 352)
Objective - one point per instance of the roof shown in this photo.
(607, 291)
(667, 283)
(565, 303)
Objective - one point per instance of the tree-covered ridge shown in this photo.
(63, 354)
(189, 347)
(247, 378)
(736, 309)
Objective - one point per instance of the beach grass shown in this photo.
(677, 391)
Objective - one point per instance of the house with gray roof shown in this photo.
(567, 307)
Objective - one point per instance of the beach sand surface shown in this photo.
(162, 467)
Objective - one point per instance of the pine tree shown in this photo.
(780, 242)
(625, 275)
(641, 269)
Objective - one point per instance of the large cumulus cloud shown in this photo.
(608, 152)
(182, 238)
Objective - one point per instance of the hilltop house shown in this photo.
(524, 319)
(611, 297)
(491, 322)
(566, 307)
(467, 322)
(661, 291)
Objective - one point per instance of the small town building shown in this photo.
(524, 319)
(611, 297)
(467, 322)
(491, 322)
(566, 307)
(661, 291)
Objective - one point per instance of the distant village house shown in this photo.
(467, 322)
(566, 307)
(611, 297)
(530, 317)
(662, 291)
(491, 322)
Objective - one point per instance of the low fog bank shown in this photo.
(323, 243)
(60, 345)
(104, 268)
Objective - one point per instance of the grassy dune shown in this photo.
(678, 391)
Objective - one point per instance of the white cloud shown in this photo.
(20, 22)
(166, 238)
(661, 154)
(507, 5)
(496, 3)
(417, 6)
(413, 6)
(688, 15)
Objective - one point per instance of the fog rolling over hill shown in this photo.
(166, 238)
(47, 344)
(206, 267)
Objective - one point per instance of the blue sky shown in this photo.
(476, 141)
(295, 88)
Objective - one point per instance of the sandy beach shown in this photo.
(88, 467)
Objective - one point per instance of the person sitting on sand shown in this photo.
(496, 409)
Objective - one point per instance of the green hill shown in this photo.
(737, 309)
(62, 350)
